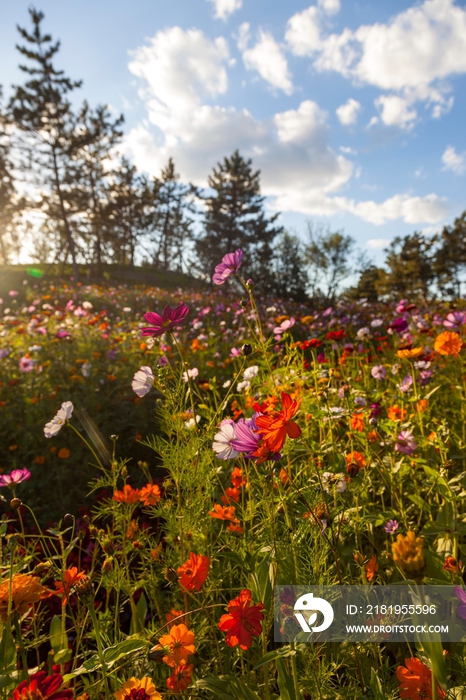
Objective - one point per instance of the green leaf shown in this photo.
(273, 655)
(227, 688)
(139, 615)
(375, 685)
(7, 651)
(123, 648)
(285, 682)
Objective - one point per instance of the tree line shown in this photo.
(63, 181)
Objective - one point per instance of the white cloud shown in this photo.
(377, 243)
(267, 58)
(301, 126)
(330, 7)
(394, 111)
(243, 37)
(412, 54)
(348, 112)
(224, 8)
(456, 162)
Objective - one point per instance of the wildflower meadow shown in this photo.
(168, 457)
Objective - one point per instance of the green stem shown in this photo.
(19, 638)
(100, 649)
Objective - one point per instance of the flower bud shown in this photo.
(352, 469)
(107, 566)
(170, 574)
(108, 546)
(246, 349)
(84, 590)
(68, 519)
(16, 503)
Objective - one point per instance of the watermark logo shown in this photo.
(308, 604)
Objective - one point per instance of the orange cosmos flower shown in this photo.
(453, 566)
(421, 405)
(172, 615)
(448, 343)
(180, 678)
(416, 681)
(243, 621)
(127, 495)
(25, 590)
(371, 568)
(357, 457)
(63, 453)
(231, 494)
(223, 512)
(410, 354)
(235, 527)
(396, 413)
(150, 495)
(179, 645)
(70, 579)
(237, 478)
(275, 427)
(357, 422)
(194, 572)
(138, 689)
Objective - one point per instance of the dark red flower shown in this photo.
(243, 620)
(42, 687)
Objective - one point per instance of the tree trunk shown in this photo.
(68, 235)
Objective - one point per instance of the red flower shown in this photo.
(275, 427)
(243, 621)
(335, 335)
(313, 343)
(194, 572)
(42, 687)
(127, 495)
(180, 678)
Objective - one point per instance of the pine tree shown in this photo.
(95, 136)
(449, 261)
(410, 273)
(291, 278)
(42, 112)
(11, 204)
(170, 223)
(235, 218)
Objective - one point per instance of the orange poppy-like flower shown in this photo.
(410, 353)
(127, 495)
(231, 494)
(150, 495)
(276, 426)
(357, 457)
(223, 512)
(448, 343)
(416, 681)
(357, 422)
(193, 573)
(180, 678)
(70, 579)
(237, 478)
(243, 620)
(397, 413)
(453, 566)
(63, 453)
(25, 590)
(138, 689)
(371, 568)
(179, 643)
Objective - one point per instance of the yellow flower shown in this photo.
(138, 689)
(25, 590)
(448, 343)
(408, 552)
(410, 354)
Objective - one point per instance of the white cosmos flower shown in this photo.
(143, 381)
(251, 372)
(221, 445)
(190, 374)
(243, 385)
(58, 421)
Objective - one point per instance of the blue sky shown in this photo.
(354, 111)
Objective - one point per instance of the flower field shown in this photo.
(169, 457)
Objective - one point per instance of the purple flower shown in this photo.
(425, 376)
(454, 320)
(168, 321)
(379, 372)
(405, 443)
(223, 440)
(231, 262)
(405, 384)
(4, 352)
(399, 325)
(376, 409)
(461, 609)
(142, 381)
(15, 478)
(391, 526)
(246, 439)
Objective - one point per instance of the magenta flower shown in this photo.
(460, 593)
(168, 321)
(26, 364)
(15, 477)
(391, 526)
(405, 443)
(246, 439)
(231, 262)
(454, 320)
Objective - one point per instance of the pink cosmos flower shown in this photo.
(26, 364)
(231, 262)
(142, 381)
(379, 372)
(454, 320)
(168, 321)
(285, 325)
(405, 443)
(190, 374)
(15, 477)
